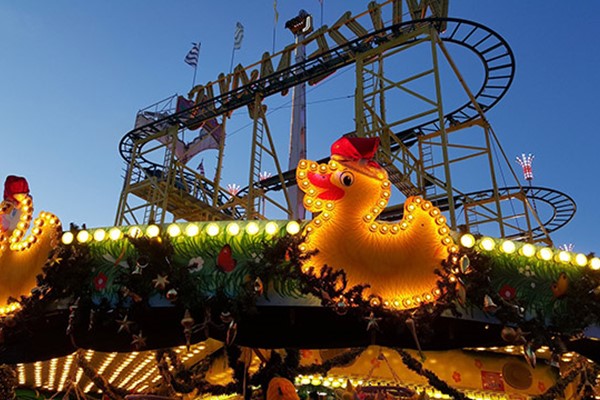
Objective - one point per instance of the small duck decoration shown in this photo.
(23, 254)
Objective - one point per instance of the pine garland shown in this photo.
(414, 365)
(557, 390)
(338, 361)
(112, 392)
(8, 382)
(281, 259)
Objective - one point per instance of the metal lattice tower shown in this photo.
(426, 138)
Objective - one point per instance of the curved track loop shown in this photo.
(492, 50)
(562, 207)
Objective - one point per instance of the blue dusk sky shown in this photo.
(73, 75)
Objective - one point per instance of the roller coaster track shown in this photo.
(562, 207)
(491, 49)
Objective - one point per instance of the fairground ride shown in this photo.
(100, 321)
(422, 148)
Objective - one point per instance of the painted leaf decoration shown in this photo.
(258, 286)
(465, 264)
(489, 305)
(462, 295)
(225, 260)
(529, 354)
(560, 286)
(231, 333)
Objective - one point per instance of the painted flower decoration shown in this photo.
(456, 376)
(527, 271)
(310, 356)
(507, 292)
(100, 281)
(258, 257)
(375, 362)
(195, 264)
(306, 353)
(541, 386)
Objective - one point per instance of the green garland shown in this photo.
(337, 361)
(414, 365)
(8, 382)
(585, 388)
(101, 383)
(281, 260)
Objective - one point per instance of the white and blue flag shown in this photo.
(192, 56)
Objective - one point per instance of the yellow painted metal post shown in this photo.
(443, 134)
(219, 169)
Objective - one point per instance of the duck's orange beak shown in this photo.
(323, 181)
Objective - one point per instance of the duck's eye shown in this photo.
(347, 178)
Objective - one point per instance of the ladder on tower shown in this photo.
(258, 149)
(368, 88)
(428, 168)
(263, 147)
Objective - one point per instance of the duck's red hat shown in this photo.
(358, 154)
(15, 185)
(355, 148)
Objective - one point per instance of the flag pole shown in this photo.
(275, 20)
(231, 64)
(321, 1)
(274, 26)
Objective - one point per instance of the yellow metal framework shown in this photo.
(171, 190)
(423, 165)
(419, 162)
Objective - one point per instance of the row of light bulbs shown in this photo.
(175, 230)
(330, 382)
(544, 253)
(467, 240)
(10, 308)
(53, 374)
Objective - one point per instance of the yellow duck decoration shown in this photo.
(348, 194)
(22, 254)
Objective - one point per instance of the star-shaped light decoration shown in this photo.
(124, 324)
(372, 322)
(139, 341)
(55, 259)
(160, 282)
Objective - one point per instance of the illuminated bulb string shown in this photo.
(18, 241)
(66, 370)
(102, 368)
(122, 366)
(52, 373)
(327, 209)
